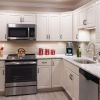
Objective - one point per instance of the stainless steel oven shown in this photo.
(21, 32)
(20, 77)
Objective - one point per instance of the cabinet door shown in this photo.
(91, 16)
(70, 83)
(75, 26)
(98, 22)
(82, 18)
(56, 72)
(3, 27)
(66, 27)
(14, 18)
(76, 87)
(44, 77)
(54, 27)
(42, 27)
(2, 79)
(29, 19)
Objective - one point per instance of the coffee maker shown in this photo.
(69, 49)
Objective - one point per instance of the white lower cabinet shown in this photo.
(44, 77)
(44, 74)
(76, 87)
(53, 73)
(2, 76)
(49, 73)
(71, 80)
(56, 72)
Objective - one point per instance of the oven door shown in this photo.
(20, 73)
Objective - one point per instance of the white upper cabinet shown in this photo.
(14, 18)
(91, 16)
(42, 27)
(21, 18)
(3, 27)
(29, 19)
(87, 16)
(98, 22)
(82, 18)
(66, 27)
(54, 27)
(75, 26)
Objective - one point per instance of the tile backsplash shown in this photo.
(32, 47)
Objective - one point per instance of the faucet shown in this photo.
(94, 51)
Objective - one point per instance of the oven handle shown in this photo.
(19, 63)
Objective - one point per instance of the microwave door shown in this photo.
(18, 33)
(32, 32)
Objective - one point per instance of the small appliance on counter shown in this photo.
(69, 48)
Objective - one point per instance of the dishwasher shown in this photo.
(89, 88)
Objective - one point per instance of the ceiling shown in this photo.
(51, 5)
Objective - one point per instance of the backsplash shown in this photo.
(32, 47)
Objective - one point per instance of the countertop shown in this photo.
(94, 69)
(3, 57)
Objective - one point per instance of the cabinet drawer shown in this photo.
(44, 62)
(2, 64)
(71, 66)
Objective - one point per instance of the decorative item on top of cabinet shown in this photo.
(22, 18)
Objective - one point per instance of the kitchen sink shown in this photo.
(84, 61)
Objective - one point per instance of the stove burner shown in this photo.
(26, 57)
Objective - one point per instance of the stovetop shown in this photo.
(26, 57)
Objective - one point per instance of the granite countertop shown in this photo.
(94, 68)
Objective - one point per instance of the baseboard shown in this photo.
(50, 89)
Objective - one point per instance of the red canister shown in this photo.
(40, 51)
(46, 51)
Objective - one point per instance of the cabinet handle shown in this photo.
(44, 62)
(71, 76)
(5, 36)
(52, 63)
(3, 72)
(60, 36)
(85, 22)
(20, 19)
(46, 36)
(76, 36)
(38, 70)
(49, 36)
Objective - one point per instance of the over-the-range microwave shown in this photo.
(21, 32)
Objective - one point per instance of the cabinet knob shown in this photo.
(71, 77)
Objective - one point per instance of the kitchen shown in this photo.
(39, 48)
